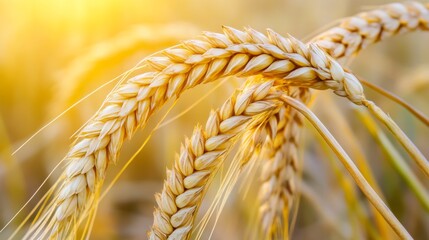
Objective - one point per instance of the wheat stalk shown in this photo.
(173, 71)
(347, 39)
(192, 63)
(409, 146)
(202, 155)
(366, 188)
(352, 90)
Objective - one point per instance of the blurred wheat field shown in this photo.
(53, 53)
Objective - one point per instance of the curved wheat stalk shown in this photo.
(203, 153)
(417, 113)
(192, 63)
(350, 166)
(353, 91)
(347, 39)
(173, 71)
(408, 145)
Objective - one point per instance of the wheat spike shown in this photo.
(131, 104)
(202, 155)
(279, 169)
(348, 38)
(185, 202)
(172, 71)
(357, 32)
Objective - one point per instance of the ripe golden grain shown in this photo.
(241, 53)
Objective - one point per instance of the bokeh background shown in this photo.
(54, 52)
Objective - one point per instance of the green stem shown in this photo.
(396, 160)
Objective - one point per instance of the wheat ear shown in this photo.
(357, 32)
(279, 169)
(348, 38)
(166, 226)
(194, 62)
(202, 155)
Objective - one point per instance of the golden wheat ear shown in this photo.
(350, 35)
(350, 166)
(194, 62)
(280, 167)
(201, 156)
(357, 32)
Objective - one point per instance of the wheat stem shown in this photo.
(396, 159)
(130, 105)
(243, 53)
(343, 126)
(350, 166)
(399, 135)
(355, 33)
(418, 114)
